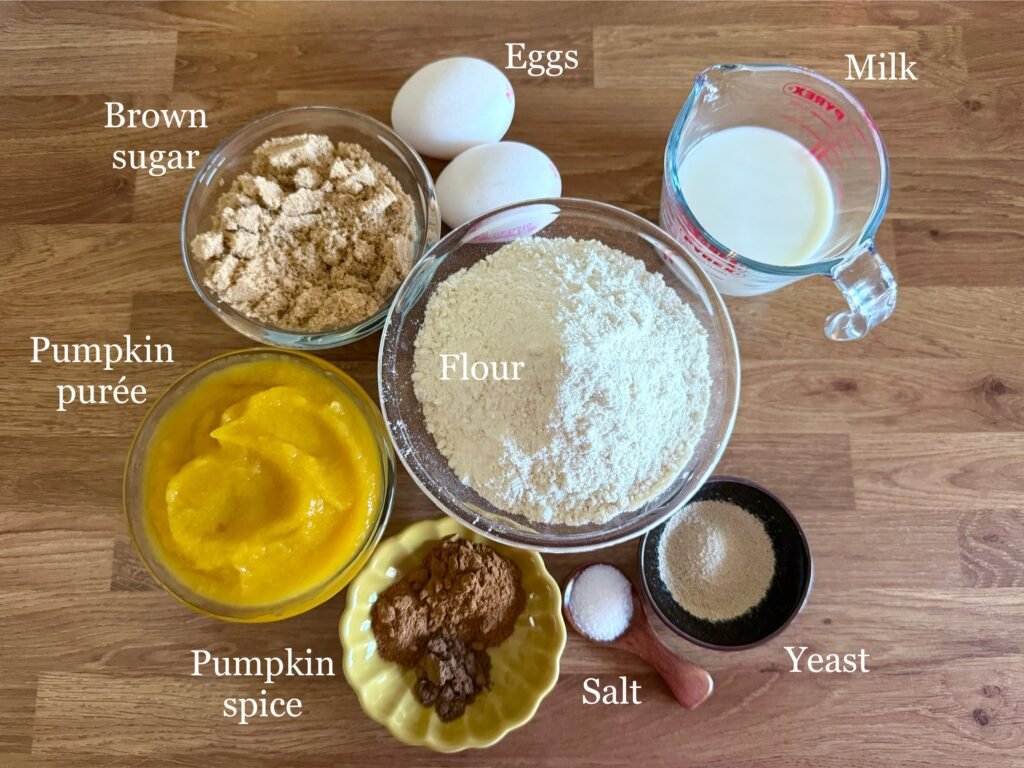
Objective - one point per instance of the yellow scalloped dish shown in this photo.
(524, 668)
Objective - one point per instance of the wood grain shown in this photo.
(902, 455)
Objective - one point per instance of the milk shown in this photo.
(760, 193)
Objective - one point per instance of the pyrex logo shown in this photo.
(795, 89)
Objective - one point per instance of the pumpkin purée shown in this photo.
(262, 483)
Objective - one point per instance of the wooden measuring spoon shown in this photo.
(690, 684)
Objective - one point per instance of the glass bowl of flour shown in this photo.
(559, 375)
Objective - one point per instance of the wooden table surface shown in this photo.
(902, 455)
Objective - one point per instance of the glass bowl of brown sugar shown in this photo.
(299, 228)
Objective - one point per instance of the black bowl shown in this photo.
(787, 594)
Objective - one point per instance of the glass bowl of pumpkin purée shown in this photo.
(259, 484)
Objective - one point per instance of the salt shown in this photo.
(601, 602)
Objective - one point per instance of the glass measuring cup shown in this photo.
(841, 135)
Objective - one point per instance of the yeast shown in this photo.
(829, 663)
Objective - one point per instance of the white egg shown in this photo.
(493, 175)
(453, 104)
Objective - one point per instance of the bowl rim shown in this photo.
(648, 571)
(287, 338)
(323, 591)
(419, 532)
(411, 283)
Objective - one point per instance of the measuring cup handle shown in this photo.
(870, 290)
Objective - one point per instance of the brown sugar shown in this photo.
(315, 236)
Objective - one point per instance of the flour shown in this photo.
(613, 395)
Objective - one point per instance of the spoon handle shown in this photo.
(689, 683)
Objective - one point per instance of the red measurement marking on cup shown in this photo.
(819, 116)
(812, 97)
(706, 250)
(725, 264)
(684, 230)
(801, 125)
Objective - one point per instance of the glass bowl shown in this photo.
(234, 156)
(134, 492)
(473, 241)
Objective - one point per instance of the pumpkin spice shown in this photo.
(441, 617)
